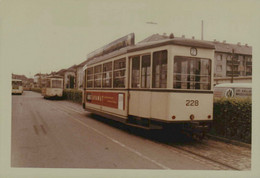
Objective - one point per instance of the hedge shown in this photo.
(232, 119)
(73, 95)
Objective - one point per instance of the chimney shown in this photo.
(183, 36)
(239, 44)
(224, 41)
(171, 35)
(246, 45)
(193, 37)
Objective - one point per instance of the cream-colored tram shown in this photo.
(17, 86)
(53, 88)
(152, 85)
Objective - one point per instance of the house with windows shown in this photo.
(69, 77)
(232, 61)
(80, 75)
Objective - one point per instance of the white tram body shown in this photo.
(153, 84)
(54, 87)
(17, 86)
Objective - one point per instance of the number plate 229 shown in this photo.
(192, 102)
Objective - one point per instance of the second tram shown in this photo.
(17, 86)
(54, 87)
(152, 85)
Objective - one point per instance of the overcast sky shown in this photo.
(49, 35)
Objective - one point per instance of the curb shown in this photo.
(234, 142)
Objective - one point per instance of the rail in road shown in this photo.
(161, 154)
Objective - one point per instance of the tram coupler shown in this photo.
(196, 130)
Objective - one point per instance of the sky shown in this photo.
(49, 35)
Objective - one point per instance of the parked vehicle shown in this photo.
(53, 88)
(17, 86)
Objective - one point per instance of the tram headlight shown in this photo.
(209, 116)
(192, 117)
(173, 117)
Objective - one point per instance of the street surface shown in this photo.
(60, 134)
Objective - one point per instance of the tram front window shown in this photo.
(192, 73)
(16, 84)
(56, 84)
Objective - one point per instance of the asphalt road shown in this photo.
(60, 134)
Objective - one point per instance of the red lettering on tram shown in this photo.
(108, 99)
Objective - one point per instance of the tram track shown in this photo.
(198, 151)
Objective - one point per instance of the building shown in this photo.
(27, 82)
(80, 75)
(39, 80)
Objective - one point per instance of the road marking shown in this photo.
(115, 141)
(43, 129)
(63, 106)
(35, 129)
(123, 145)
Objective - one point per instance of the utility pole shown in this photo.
(232, 66)
(202, 30)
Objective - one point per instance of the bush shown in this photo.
(73, 95)
(232, 119)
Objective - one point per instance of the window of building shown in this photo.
(119, 73)
(136, 72)
(146, 64)
(219, 57)
(160, 69)
(107, 75)
(90, 77)
(97, 76)
(219, 68)
(70, 81)
(192, 73)
(228, 57)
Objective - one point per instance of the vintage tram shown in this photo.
(152, 85)
(17, 86)
(53, 88)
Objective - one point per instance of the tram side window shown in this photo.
(107, 75)
(160, 69)
(146, 64)
(192, 73)
(119, 73)
(90, 77)
(97, 76)
(136, 72)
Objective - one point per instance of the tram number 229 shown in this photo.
(192, 102)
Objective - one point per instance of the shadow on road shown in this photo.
(167, 136)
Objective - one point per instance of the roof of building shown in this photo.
(21, 77)
(82, 64)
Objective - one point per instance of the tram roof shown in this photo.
(16, 80)
(152, 44)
